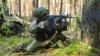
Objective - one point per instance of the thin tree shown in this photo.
(36, 3)
(19, 7)
(61, 5)
(49, 5)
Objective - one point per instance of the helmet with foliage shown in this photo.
(40, 11)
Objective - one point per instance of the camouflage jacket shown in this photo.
(43, 33)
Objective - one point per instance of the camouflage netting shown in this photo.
(12, 26)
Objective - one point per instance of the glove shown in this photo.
(58, 26)
(46, 23)
(41, 24)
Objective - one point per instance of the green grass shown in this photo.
(74, 49)
(8, 44)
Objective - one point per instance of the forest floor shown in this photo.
(76, 48)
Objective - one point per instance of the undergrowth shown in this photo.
(8, 44)
(74, 49)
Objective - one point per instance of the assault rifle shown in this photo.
(61, 16)
(61, 21)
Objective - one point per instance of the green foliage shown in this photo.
(3, 8)
(93, 52)
(6, 28)
(74, 49)
(8, 44)
(1, 54)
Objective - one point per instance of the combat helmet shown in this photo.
(40, 11)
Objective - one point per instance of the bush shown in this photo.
(5, 28)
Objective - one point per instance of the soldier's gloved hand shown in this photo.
(46, 23)
(41, 24)
(58, 26)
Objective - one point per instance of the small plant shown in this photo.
(5, 28)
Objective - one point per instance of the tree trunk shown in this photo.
(91, 23)
(36, 5)
(61, 5)
(49, 5)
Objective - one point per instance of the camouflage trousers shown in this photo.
(35, 44)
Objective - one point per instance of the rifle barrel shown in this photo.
(60, 16)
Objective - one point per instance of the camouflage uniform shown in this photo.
(44, 30)
(41, 31)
